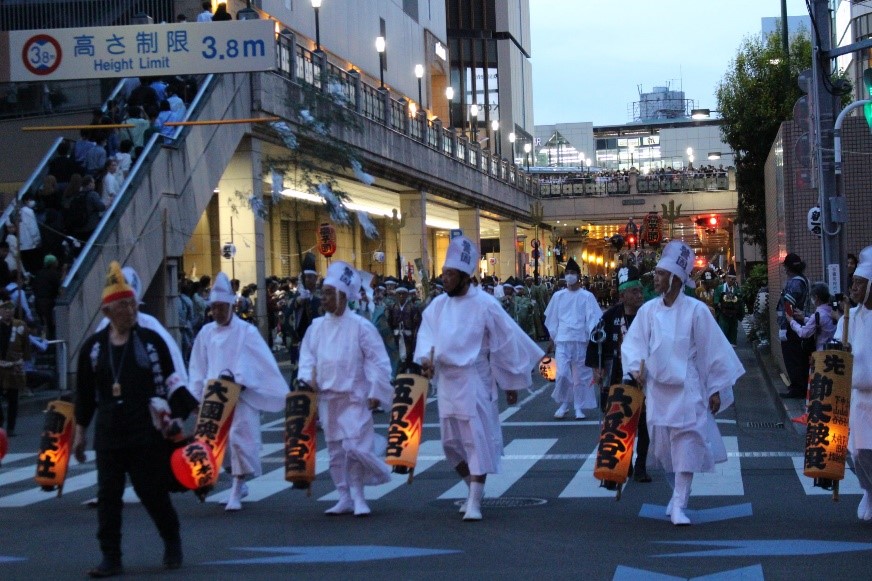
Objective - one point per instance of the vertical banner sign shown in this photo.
(300, 436)
(620, 423)
(829, 405)
(141, 50)
(407, 422)
(216, 416)
(54, 445)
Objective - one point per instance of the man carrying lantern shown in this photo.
(120, 370)
(689, 373)
(230, 347)
(860, 340)
(472, 347)
(605, 357)
(571, 316)
(343, 357)
(728, 304)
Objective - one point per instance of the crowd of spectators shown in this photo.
(623, 182)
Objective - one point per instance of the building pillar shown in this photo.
(470, 223)
(238, 222)
(413, 234)
(508, 262)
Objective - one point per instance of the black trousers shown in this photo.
(148, 469)
(11, 396)
(643, 441)
(795, 363)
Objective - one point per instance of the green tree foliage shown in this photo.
(754, 98)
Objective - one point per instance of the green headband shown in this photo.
(629, 284)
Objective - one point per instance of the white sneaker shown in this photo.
(561, 412)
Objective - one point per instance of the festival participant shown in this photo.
(343, 357)
(728, 305)
(472, 347)
(605, 357)
(860, 340)
(230, 347)
(689, 373)
(14, 351)
(120, 370)
(571, 316)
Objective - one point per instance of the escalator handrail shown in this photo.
(113, 213)
(28, 186)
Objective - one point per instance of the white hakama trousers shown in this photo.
(574, 385)
(245, 441)
(356, 453)
(695, 448)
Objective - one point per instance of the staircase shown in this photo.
(158, 207)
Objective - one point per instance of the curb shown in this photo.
(777, 401)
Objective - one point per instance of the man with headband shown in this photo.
(860, 339)
(689, 373)
(344, 358)
(472, 347)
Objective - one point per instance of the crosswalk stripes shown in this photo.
(849, 485)
(497, 484)
(520, 457)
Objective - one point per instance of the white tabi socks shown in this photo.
(864, 511)
(355, 481)
(473, 503)
(238, 491)
(679, 498)
(463, 504)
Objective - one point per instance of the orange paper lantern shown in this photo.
(829, 405)
(620, 424)
(300, 436)
(407, 422)
(55, 444)
(194, 465)
(4, 443)
(216, 415)
(548, 368)
(327, 239)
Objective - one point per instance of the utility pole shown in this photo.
(825, 107)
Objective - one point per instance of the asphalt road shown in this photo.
(545, 516)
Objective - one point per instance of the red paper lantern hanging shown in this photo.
(653, 229)
(194, 465)
(4, 443)
(548, 368)
(327, 239)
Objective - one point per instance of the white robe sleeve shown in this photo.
(717, 363)
(197, 366)
(376, 364)
(593, 314)
(552, 316)
(266, 388)
(425, 341)
(307, 361)
(636, 346)
(513, 355)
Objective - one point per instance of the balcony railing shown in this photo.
(301, 65)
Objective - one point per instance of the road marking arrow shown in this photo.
(701, 516)
(767, 548)
(330, 554)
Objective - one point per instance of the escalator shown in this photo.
(160, 202)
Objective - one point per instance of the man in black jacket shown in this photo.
(605, 356)
(125, 376)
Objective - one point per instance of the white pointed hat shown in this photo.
(678, 259)
(462, 255)
(344, 278)
(221, 291)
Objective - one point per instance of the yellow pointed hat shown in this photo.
(116, 288)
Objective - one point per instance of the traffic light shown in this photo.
(867, 108)
(709, 223)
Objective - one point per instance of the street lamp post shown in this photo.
(380, 47)
(512, 141)
(419, 72)
(495, 131)
(316, 4)
(528, 147)
(473, 120)
(449, 94)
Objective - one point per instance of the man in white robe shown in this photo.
(472, 347)
(571, 316)
(229, 344)
(860, 339)
(344, 358)
(689, 372)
